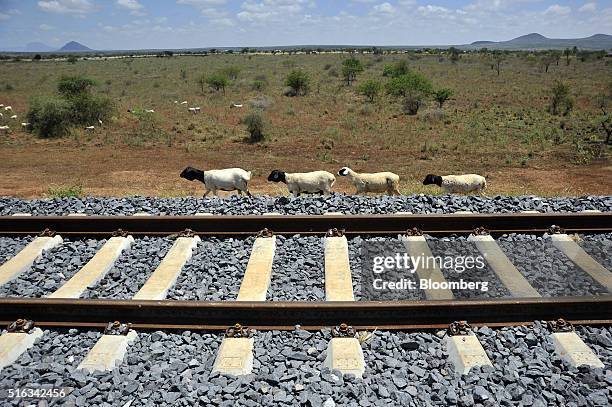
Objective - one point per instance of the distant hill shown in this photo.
(38, 47)
(538, 41)
(74, 46)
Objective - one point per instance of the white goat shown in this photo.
(184, 102)
(24, 125)
(372, 182)
(4, 128)
(457, 183)
(238, 105)
(14, 117)
(315, 182)
(149, 111)
(89, 128)
(194, 110)
(229, 179)
(7, 108)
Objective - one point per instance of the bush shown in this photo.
(442, 95)
(231, 72)
(258, 85)
(49, 116)
(70, 86)
(413, 87)
(399, 68)
(217, 82)
(298, 81)
(88, 109)
(370, 89)
(350, 68)
(255, 125)
(561, 101)
(65, 191)
(54, 116)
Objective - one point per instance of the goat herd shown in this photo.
(321, 182)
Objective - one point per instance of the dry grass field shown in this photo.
(498, 126)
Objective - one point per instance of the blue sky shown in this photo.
(132, 24)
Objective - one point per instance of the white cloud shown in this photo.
(131, 4)
(46, 27)
(14, 12)
(432, 10)
(588, 7)
(201, 3)
(271, 10)
(4, 17)
(384, 8)
(558, 10)
(67, 6)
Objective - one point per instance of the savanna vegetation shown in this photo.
(533, 123)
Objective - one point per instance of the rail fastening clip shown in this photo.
(459, 328)
(21, 325)
(265, 232)
(343, 331)
(560, 325)
(238, 331)
(117, 328)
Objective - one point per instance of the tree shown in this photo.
(399, 68)
(255, 124)
(413, 87)
(603, 101)
(350, 68)
(498, 58)
(561, 101)
(37, 57)
(454, 54)
(202, 81)
(442, 95)
(217, 82)
(567, 52)
(370, 89)
(298, 81)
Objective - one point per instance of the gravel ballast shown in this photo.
(132, 269)
(548, 270)
(215, 270)
(350, 204)
(10, 246)
(52, 269)
(458, 247)
(408, 369)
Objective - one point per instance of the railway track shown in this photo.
(149, 310)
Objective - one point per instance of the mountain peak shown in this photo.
(530, 37)
(74, 46)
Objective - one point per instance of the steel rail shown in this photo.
(434, 224)
(268, 315)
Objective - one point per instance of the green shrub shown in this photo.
(255, 125)
(370, 89)
(50, 116)
(350, 68)
(413, 87)
(64, 191)
(398, 68)
(561, 100)
(299, 81)
(76, 106)
(217, 82)
(442, 95)
(71, 86)
(231, 72)
(258, 85)
(88, 109)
